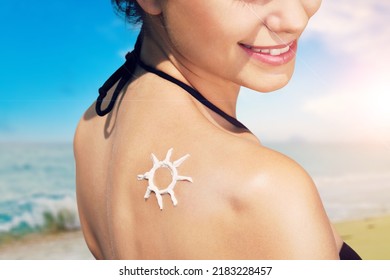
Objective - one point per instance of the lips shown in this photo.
(275, 55)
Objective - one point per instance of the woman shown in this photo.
(231, 198)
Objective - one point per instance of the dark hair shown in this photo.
(130, 9)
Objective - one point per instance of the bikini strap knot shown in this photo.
(125, 73)
(120, 76)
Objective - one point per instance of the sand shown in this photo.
(61, 246)
(369, 237)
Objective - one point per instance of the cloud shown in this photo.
(356, 109)
(354, 27)
(355, 106)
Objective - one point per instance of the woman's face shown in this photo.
(249, 42)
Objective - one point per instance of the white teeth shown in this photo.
(269, 51)
(255, 49)
(260, 50)
(280, 51)
(285, 49)
(275, 52)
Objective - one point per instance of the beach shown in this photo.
(59, 246)
(370, 237)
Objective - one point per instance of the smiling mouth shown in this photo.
(270, 51)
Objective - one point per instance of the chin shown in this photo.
(269, 81)
(269, 84)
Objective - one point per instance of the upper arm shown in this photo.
(287, 206)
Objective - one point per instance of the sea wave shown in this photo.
(367, 178)
(355, 196)
(37, 214)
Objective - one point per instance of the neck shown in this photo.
(157, 51)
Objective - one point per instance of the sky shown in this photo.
(54, 55)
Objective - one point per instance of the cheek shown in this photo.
(311, 6)
(208, 27)
(186, 31)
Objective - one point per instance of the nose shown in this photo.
(287, 16)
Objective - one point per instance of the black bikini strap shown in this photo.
(121, 76)
(196, 94)
(126, 72)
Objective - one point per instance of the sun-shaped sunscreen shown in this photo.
(172, 166)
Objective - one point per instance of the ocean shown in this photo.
(353, 179)
(37, 189)
(37, 183)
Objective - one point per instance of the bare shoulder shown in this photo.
(90, 134)
(283, 210)
(91, 148)
(83, 128)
